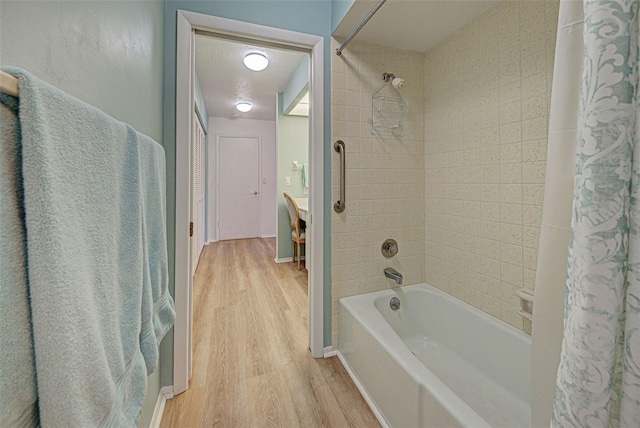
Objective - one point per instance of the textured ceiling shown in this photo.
(412, 25)
(225, 80)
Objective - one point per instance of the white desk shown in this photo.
(303, 207)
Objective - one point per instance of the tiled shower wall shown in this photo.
(487, 91)
(384, 174)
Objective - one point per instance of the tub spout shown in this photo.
(393, 274)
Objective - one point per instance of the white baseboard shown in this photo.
(268, 236)
(329, 352)
(363, 392)
(165, 393)
(286, 259)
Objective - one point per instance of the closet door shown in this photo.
(197, 200)
(201, 180)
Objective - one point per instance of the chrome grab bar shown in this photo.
(339, 206)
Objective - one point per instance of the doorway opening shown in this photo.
(191, 26)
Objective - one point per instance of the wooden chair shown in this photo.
(297, 234)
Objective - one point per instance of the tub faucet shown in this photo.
(393, 274)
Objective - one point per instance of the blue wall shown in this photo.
(339, 9)
(57, 41)
(201, 107)
(298, 82)
(305, 16)
(292, 133)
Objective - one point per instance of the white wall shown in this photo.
(264, 129)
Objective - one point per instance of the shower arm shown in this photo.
(366, 19)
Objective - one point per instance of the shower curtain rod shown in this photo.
(8, 84)
(366, 19)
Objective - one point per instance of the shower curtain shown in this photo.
(598, 382)
(555, 232)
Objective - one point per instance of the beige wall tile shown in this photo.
(385, 175)
(504, 123)
(462, 190)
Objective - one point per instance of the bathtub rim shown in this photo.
(360, 307)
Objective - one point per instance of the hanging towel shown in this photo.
(158, 313)
(19, 404)
(305, 175)
(96, 249)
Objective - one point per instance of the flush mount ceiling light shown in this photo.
(256, 61)
(244, 107)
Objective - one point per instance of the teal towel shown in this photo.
(305, 175)
(18, 402)
(94, 217)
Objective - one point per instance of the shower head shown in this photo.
(396, 82)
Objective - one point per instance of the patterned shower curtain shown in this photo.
(598, 382)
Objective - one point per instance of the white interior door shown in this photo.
(238, 188)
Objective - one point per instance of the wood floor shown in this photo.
(251, 364)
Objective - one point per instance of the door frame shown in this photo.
(217, 183)
(188, 22)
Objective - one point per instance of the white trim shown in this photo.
(165, 393)
(363, 392)
(329, 351)
(182, 273)
(268, 236)
(259, 187)
(316, 198)
(277, 213)
(286, 260)
(216, 187)
(187, 23)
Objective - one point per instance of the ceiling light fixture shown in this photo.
(256, 61)
(244, 107)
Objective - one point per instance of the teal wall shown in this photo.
(201, 107)
(339, 9)
(305, 16)
(298, 83)
(108, 54)
(292, 139)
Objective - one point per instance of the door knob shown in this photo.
(255, 193)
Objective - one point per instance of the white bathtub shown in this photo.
(436, 361)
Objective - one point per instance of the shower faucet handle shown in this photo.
(389, 248)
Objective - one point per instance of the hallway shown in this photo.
(251, 365)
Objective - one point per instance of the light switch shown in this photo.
(287, 181)
(305, 190)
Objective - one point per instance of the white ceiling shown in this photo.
(225, 81)
(411, 25)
